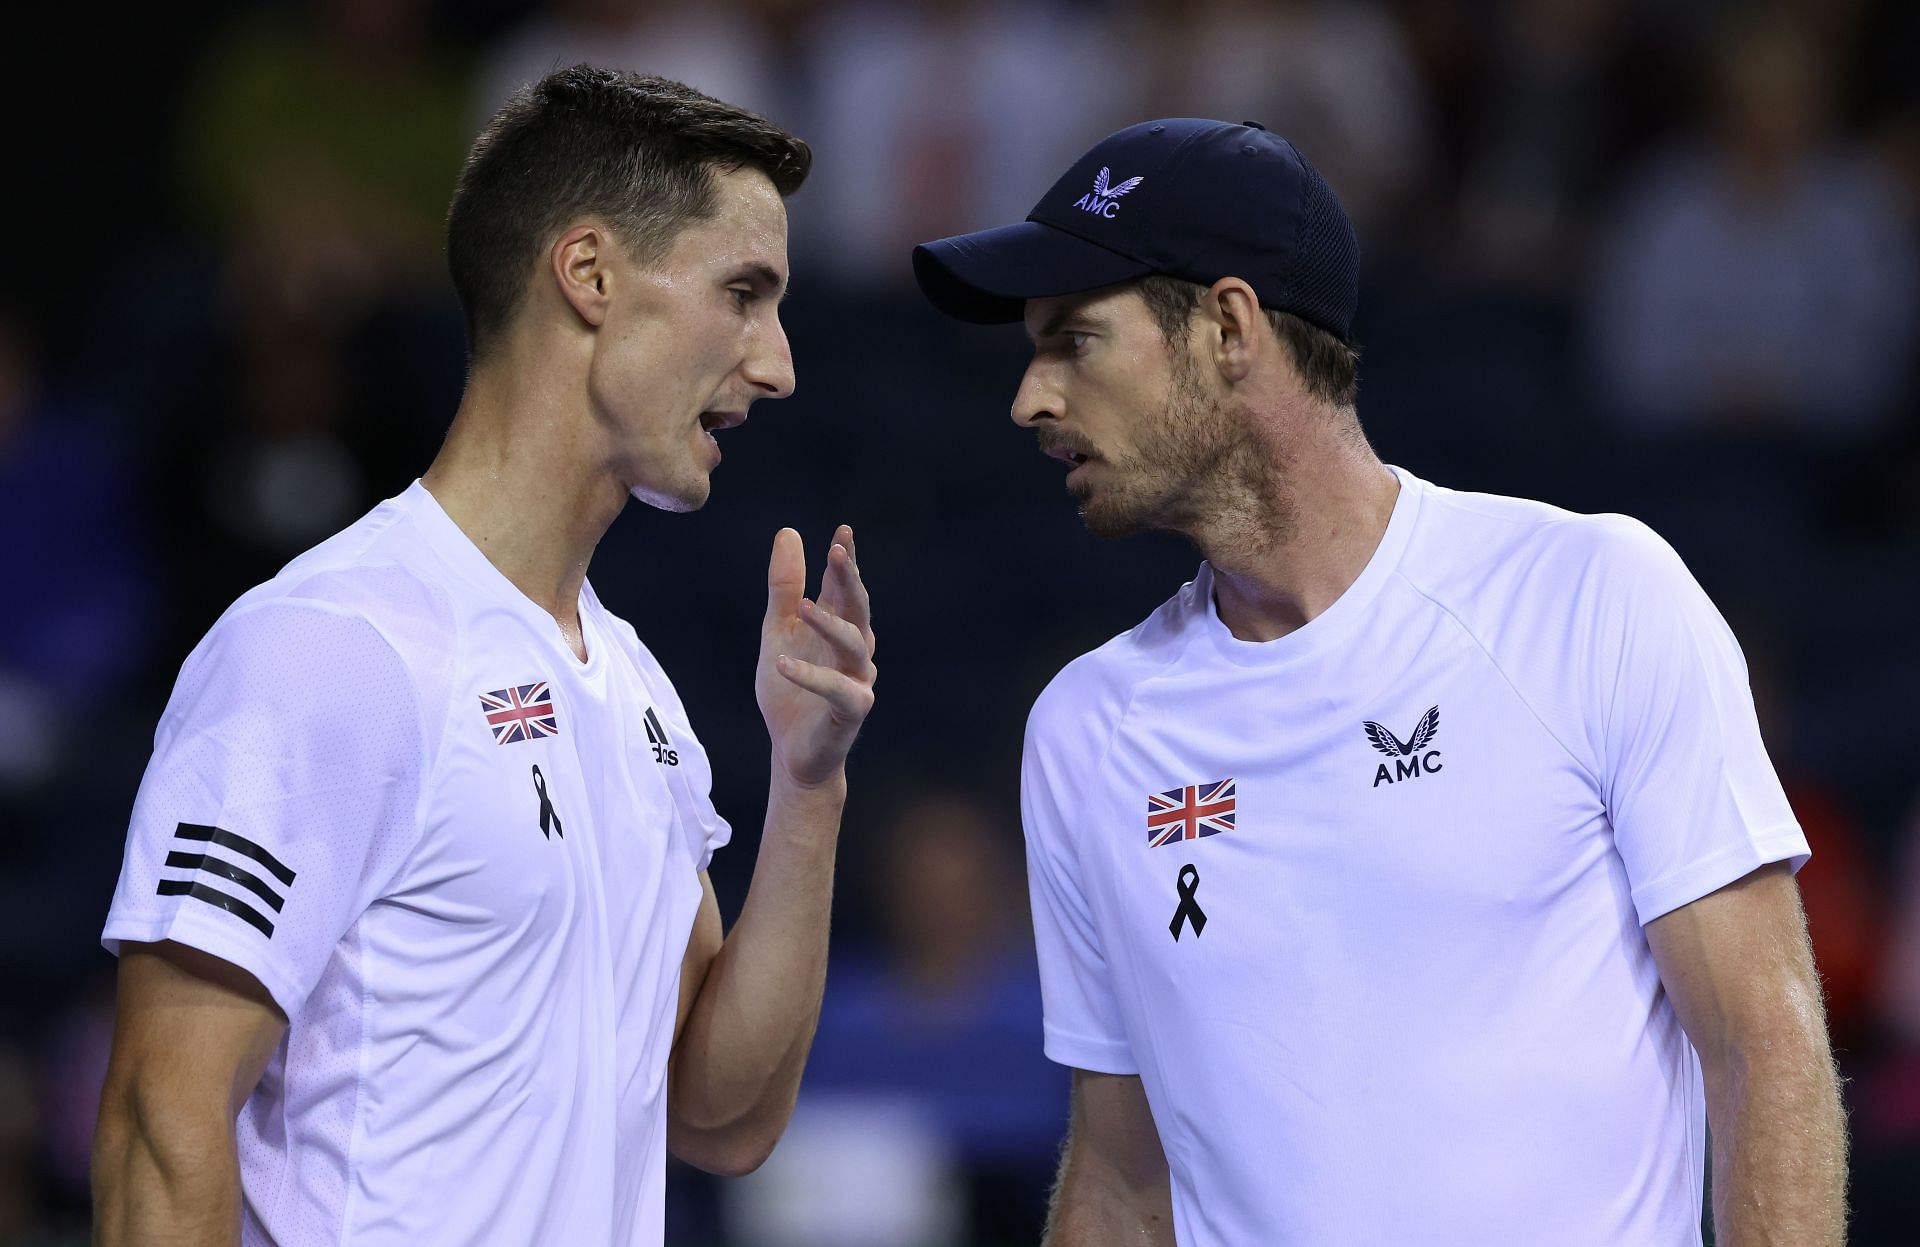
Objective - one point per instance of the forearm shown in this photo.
(1779, 1148)
(1091, 1208)
(180, 1191)
(737, 1064)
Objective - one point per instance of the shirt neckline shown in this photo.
(451, 542)
(1340, 620)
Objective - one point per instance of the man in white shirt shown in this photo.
(415, 884)
(1388, 879)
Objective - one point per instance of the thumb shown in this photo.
(786, 577)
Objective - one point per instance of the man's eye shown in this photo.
(741, 295)
(1076, 341)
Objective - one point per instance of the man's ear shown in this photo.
(579, 267)
(1234, 321)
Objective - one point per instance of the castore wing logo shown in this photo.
(1411, 757)
(1104, 201)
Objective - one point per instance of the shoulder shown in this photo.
(284, 689)
(1477, 554)
(379, 574)
(1088, 696)
(1549, 595)
(1563, 606)
(362, 605)
(288, 658)
(1557, 599)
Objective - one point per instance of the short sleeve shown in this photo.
(282, 794)
(1083, 1026)
(1693, 798)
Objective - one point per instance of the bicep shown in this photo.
(192, 1033)
(1112, 1132)
(1737, 965)
(703, 945)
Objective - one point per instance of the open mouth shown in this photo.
(712, 420)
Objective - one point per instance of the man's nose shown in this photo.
(1034, 400)
(770, 368)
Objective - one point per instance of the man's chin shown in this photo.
(1104, 519)
(1113, 513)
(679, 499)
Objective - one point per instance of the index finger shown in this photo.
(844, 569)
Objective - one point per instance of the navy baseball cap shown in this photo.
(1184, 196)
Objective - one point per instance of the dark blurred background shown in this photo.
(1652, 256)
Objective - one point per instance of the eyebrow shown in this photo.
(1059, 320)
(765, 277)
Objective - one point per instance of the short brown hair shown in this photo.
(1330, 367)
(638, 152)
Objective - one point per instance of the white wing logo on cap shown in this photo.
(1102, 202)
(1103, 191)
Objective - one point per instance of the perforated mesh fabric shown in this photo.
(1322, 280)
(455, 1069)
(295, 731)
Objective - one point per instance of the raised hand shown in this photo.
(815, 677)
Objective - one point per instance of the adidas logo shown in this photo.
(1104, 199)
(663, 753)
(228, 872)
(1408, 760)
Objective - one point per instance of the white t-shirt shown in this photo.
(1424, 832)
(464, 863)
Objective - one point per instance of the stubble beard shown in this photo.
(1200, 469)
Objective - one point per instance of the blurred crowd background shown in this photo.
(1652, 256)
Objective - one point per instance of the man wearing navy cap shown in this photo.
(1416, 873)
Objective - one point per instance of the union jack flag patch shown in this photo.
(521, 712)
(1189, 813)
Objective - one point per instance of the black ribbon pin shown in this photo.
(1189, 910)
(549, 817)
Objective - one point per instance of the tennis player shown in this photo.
(417, 944)
(1416, 874)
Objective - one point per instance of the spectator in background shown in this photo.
(67, 541)
(925, 115)
(1840, 885)
(935, 1037)
(81, 625)
(1881, 72)
(20, 1202)
(1567, 89)
(321, 157)
(728, 51)
(1902, 985)
(1759, 279)
(301, 424)
(1335, 76)
(1886, 1097)
(72, 1069)
(319, 150)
